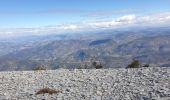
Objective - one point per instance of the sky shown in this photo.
(38, 15)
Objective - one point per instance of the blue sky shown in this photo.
(38, 13)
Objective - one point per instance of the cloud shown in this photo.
(70, 27)
(157, 18)
(126, 20)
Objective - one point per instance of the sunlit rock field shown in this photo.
(87, 84)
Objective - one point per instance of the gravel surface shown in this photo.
(87, 84)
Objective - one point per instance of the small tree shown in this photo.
(134, 64)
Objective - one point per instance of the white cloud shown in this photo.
(157, 19)
(70, 27)
(127, 20)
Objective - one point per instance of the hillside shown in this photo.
(78, 84)
(110, 47)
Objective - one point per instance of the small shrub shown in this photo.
(94, 63)
(146, 65)
(98, 66)
(85, 66)
(42, 67)
(79, 67)
(47, 90)
(134, 64)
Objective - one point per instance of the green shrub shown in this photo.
(134, 64)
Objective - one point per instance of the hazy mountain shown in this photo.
(112, 48)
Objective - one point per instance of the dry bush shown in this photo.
(47, 90)
(42, 67)
(97, 66)
(146, 65)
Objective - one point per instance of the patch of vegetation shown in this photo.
(134, 64)
(41, 67)
(146, 65)
(47, 90)
(97, 66)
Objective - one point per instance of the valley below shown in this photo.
(110, 48)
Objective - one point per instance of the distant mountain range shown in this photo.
(112, 48)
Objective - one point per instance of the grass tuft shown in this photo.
(47, 90)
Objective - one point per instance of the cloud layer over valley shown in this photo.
(130, 20)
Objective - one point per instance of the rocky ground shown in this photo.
(94, 84)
